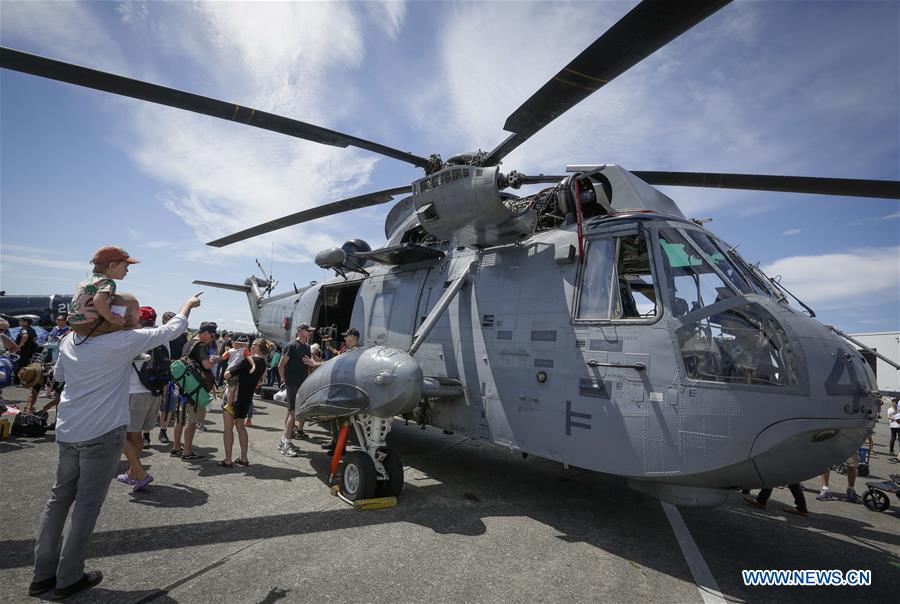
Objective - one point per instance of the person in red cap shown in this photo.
(90, 312)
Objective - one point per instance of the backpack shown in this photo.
(29, 425)
(192, 379)
(156, 372)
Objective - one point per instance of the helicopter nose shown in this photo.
(832, 417)
(798, 449)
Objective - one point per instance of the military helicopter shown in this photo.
(589, 323)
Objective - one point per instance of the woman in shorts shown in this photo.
(249, 375)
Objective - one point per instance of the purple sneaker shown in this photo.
(140, 484)
(125, 479)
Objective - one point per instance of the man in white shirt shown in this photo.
(894, 418)
(90, 431)
(142, 404)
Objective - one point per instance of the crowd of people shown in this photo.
(117, 376)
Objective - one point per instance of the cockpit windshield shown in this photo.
(739, 344)
(717, 255)
(693, 282)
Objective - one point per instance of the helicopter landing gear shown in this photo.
(358, 476)
(376, 471)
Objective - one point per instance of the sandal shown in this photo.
(176, 452)
(224, 464)
(191, 456)
(242, 463)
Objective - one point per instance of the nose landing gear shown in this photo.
(376, 470)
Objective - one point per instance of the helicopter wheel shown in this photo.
(394, 468)
(358, 476)
(876, 500)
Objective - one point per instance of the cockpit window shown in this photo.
(597, 298)
(742, 345)
(693, 283)
(617, 282)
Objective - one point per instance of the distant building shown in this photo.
(886, 343)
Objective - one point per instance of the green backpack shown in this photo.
(190, 381)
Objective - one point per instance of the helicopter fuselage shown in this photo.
(648, 351)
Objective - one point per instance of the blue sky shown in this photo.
(805, 88)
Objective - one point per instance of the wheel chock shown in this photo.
(377, 503)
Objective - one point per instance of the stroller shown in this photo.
(876, 498)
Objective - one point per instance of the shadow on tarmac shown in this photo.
(23, 442)
(175, 496)
(101, 594)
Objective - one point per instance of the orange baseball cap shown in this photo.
(112, 253)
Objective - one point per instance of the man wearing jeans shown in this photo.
(90, 432)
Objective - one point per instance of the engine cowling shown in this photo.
(464, 204)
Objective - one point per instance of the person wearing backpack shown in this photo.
(191, 412)
(150, 372)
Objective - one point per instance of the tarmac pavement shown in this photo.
(475, 523)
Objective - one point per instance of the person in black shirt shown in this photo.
(197, 350)
(27, 343)
(169, 400)
(249, 375)
(176, 346)
(293, 372)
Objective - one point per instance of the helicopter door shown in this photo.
(617, 281)
(334, 308)
(388, 309)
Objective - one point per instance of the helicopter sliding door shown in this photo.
(620, 381)
(334, 309)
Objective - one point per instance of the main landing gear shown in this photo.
(375, 471)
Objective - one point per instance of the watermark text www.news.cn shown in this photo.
(807, 578)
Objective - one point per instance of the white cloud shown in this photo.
(225, 177)
(65, 265)
(69, 31)
(790, 232)
(869, 274)
(388, 15)
(891, 216)
(27, 249)
(133, 10)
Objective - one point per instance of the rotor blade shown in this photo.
(154, 93)
(231, 286)
(887, 189)
(335, 207)
(649, 26)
